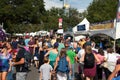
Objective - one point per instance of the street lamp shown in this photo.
(66, 7)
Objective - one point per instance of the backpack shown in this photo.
(89, 60)
(28, 57)
(62, 65)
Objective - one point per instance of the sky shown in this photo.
(80, 5)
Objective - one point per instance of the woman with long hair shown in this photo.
(5, 59)
(66, 68)
(36, 53)
(13, 53)
(102, 58)
(53, 53)
(89, 58)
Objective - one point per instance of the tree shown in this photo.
(18, 12)
(102, 10)
(68, 21)
(21, 16)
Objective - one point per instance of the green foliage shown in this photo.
(15, 12)
(102, 10)
(70, 20)
(30, 15)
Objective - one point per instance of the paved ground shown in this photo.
(33, 74)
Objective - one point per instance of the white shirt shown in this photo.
(80, 54)
(112, 59)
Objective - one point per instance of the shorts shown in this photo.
(4, 69)
(61, 76)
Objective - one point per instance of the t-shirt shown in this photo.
(26, 41)
(31, 48)
(71, 54)
(45, 69)
(80, 53)
(101, 58)
(111, 61)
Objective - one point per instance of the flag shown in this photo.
(60, 22)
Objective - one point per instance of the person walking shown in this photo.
(81, 64)
(53, 53)
(89, 60)
(99, 66)
(62, 65)
(72, 55)
(111, 61)
(12, 53)
(45, 70)
(5, 60)
(21, 70)
(36, 53)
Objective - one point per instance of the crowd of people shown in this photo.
(56, 59)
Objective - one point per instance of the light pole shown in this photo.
(66, 7)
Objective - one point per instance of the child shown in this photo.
(45, 70)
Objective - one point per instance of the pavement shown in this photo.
(33, 74)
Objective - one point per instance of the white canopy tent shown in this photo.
(84, 22)
(108, 32)
(113, 32)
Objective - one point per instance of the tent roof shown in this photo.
(84, 21)
(109, 32)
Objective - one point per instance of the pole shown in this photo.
(63, 4)
(116, 25)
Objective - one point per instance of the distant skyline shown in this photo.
(80, 5)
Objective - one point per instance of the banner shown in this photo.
(60, 23)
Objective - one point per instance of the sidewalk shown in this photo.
(33, 74)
